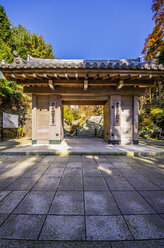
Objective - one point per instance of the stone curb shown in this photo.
(128, 154)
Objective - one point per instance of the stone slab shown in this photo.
(54, 172)
(129, 172)
(109, 172)
(68, 202)
(71, 183)
(3, 217)
(22, 184)
(91, 172)
(100, 203)
(53, 244)
(3, 194)
(74, 164)
(141, 183)
(8, 204)
(47, 184)
(155, 198)
(146, 226)
(22, 227)
(72, 172)
(95, 183)
(35, 202)
(158, 182)
(118, 183)
(139, 244)
(130, 202)
(106, 228)
(63, 228)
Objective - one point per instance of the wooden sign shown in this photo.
(117, 113)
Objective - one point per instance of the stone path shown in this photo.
(106, 201)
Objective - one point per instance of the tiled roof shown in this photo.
(82, 64)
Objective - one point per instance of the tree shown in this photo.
(21, 40)
(158, 9)
(26, 43)
(155, 41)
(11, 96)
(39, 49)
(5, 33)
(5, 52)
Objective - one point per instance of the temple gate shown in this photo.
(116, 84)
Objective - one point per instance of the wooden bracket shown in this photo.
(120, 85)
(85, 84)
(51, 84)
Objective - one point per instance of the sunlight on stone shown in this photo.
(146, 160)
(20, 168)
(109, 172)
(89, 156)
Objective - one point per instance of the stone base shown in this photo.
(114, 142)
(54, 142)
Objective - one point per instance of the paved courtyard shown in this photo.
(84, 201)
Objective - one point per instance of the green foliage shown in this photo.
(26, 43)
(39, 49)
(12, 97)
(71, 114)
(5, 33)
(151, 120)
(5, 52)
(158, 116)
(21, 40)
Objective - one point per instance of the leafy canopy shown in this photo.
(155, 41)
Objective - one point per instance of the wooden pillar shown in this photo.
(107, 121)
(115, 120)
(112, 120)
(55, 120)
(135, 120)
(34, 121)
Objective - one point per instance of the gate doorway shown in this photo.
(83, 120)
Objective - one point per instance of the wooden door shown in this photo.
(126, 120)
(42, 119)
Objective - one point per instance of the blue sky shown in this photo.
(87, 29)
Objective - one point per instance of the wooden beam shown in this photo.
(65, 91)
(84, 102)
(85, 98)
(114, 76)
(85, 84)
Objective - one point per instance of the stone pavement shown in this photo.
(81, 201)
(78, 145)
